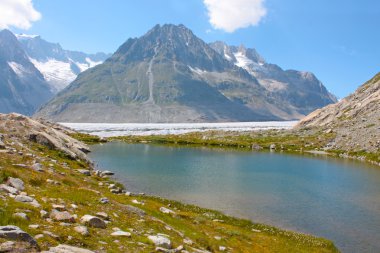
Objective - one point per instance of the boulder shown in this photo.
(121, 233)
(160, 241)
(23, 216)
(166, 210)
(16, 183)
(16, 234)
(107, 173)
(8, 189)
(37, 167)
(84, 172)
(62, 248)
(27, 199)
(83, 230)
(102, 215)
(134, 210)
(93, 221)
(104, 200)
(62, 216)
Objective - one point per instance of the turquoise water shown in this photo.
(333, 198)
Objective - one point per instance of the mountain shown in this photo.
(170, 75)
(302, 90)
(23, 88)
(355, 120)
(59, 67)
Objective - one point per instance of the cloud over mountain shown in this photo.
(17, 13)
(230, 15)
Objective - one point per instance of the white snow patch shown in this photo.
(57, 73)
(92, 63)
(109, 130)
(242, 60)
(17, 68)
(26, 36)
(197, 70)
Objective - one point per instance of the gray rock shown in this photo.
(44, 214)
(135, 210)
(23, 198)
(8, 189)
(83, 230)
(52, 235)
(16, 183)
(23, 216)
(59, 207)
(62, 248)
(93, 221)
(37, 167)
(107, 173)
(166, 210)
(27, 199)
(104, 200)
(84, 172)
(61, 216)
(102, 215)
(16, 234)
(121, 233)
(272, 146)
(160, 241)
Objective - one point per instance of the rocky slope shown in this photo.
(51, 200)
(59, 66)
(23, 88)
(355, 120)
(170, 75)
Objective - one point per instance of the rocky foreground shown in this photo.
(52, 200)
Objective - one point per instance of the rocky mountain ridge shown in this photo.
(23, 88)
(170, 75)
(355, 119)
(59, 66)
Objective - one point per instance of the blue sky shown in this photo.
(337, 40)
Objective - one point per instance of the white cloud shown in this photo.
(17, 13)
(230, 15)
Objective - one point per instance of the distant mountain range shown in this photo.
(59, 67)
(33, 70)
(170, 75)
(22, 86)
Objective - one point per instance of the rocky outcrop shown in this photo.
(62, 248)
(355, 120)
(15, 233)
(51, 136)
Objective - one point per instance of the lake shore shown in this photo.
(63, 201)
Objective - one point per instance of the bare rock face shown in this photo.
(44, 133)
(354, 119)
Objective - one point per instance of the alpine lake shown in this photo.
(337, 199)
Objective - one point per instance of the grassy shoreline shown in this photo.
(291, 142)
(62, 183)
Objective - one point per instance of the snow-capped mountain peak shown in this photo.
(59, 66)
